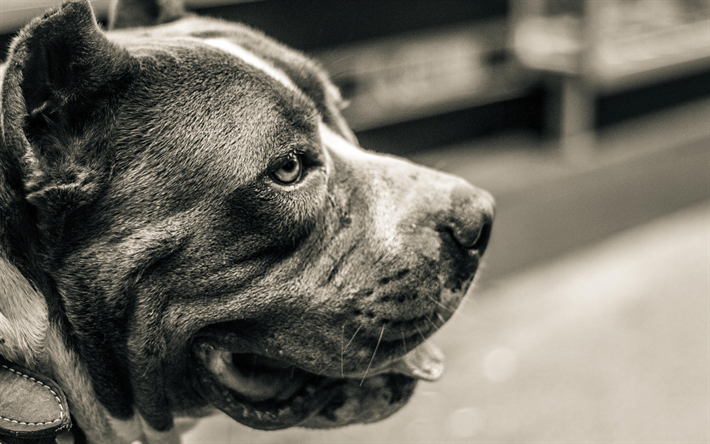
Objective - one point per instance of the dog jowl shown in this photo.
(189, 224)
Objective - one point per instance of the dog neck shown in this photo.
(23, 319)
(37, 354)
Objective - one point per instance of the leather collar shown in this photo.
(33, 409)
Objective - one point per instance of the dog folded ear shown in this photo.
(60, 86)
(134, 13)
(65, 64)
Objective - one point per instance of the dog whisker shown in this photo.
(432, 324)
(440, 304)
(373, 354)
(425, 339)
(342, 349)
(451, 311)
(351, 339)
(404, 342)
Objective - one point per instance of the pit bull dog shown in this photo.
(187, 224)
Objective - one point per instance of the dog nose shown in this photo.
(472, 212)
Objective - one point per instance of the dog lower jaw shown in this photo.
(255, 404)
(274, 395)
(364, 401)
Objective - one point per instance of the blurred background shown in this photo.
(589, 120)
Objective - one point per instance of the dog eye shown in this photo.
(290, 171)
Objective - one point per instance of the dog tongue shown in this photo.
(424, 362)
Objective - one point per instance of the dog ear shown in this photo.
(59, 87)
(134, 13)
(64, 63)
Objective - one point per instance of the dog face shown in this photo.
(212, 234)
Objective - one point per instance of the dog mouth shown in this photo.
(267, 393)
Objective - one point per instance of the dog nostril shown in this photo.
(472, 217)
(472, 235)
(481, 241)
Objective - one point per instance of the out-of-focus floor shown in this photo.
(591, 322)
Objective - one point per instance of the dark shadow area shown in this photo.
(313, 24)
(517, 114)
(636, 102)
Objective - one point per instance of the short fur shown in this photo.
(142, 226)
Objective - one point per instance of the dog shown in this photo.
(189, 224)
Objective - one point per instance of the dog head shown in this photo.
(208, 233)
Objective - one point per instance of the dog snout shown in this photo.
(472, 213)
